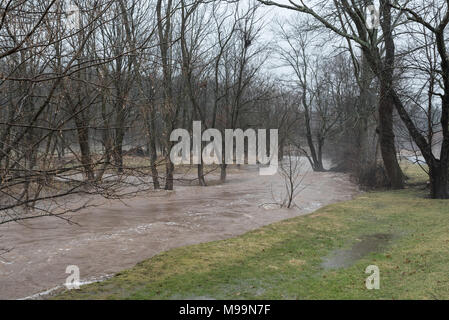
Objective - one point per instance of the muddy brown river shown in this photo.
(118, 234)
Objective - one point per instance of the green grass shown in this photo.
(284, 260)
(415, 173)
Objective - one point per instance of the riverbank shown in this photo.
(319, 256)
(116, 235)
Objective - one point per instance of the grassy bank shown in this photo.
(319, 256)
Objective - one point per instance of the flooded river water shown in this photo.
(118, 234)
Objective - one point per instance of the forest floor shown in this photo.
(323, 255)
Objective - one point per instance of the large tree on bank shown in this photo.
(349, 21)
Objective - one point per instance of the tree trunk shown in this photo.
(386, 103)
(223, 172)
(281, 148)
(438, 181)
(316, 165)
(201, 180)
(83, 140)
(366, 146)
(319, 167)
(164, 28)
(154, 173)
(386, 138)
(152, 149)
(119, 137)
(107, 142)
(169, 169)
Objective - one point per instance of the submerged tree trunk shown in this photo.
(107, 142)
(319, 165)
(119, 133)
(153, 164)
(316, 162)
(201, 180)
(151, 128)
(316, 157)
(118, 150)
(83, 140)
(200, 171)
(169, 170)
(223, 173)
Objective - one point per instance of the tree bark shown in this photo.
(386, 103)
(387, 137)
(152, 148)
(317, 164)
(164, 27)
(438, 173)
(83, 140)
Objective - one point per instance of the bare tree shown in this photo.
(348, 21)
(431, 23)
(293, 174)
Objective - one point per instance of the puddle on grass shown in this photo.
(338, 259)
